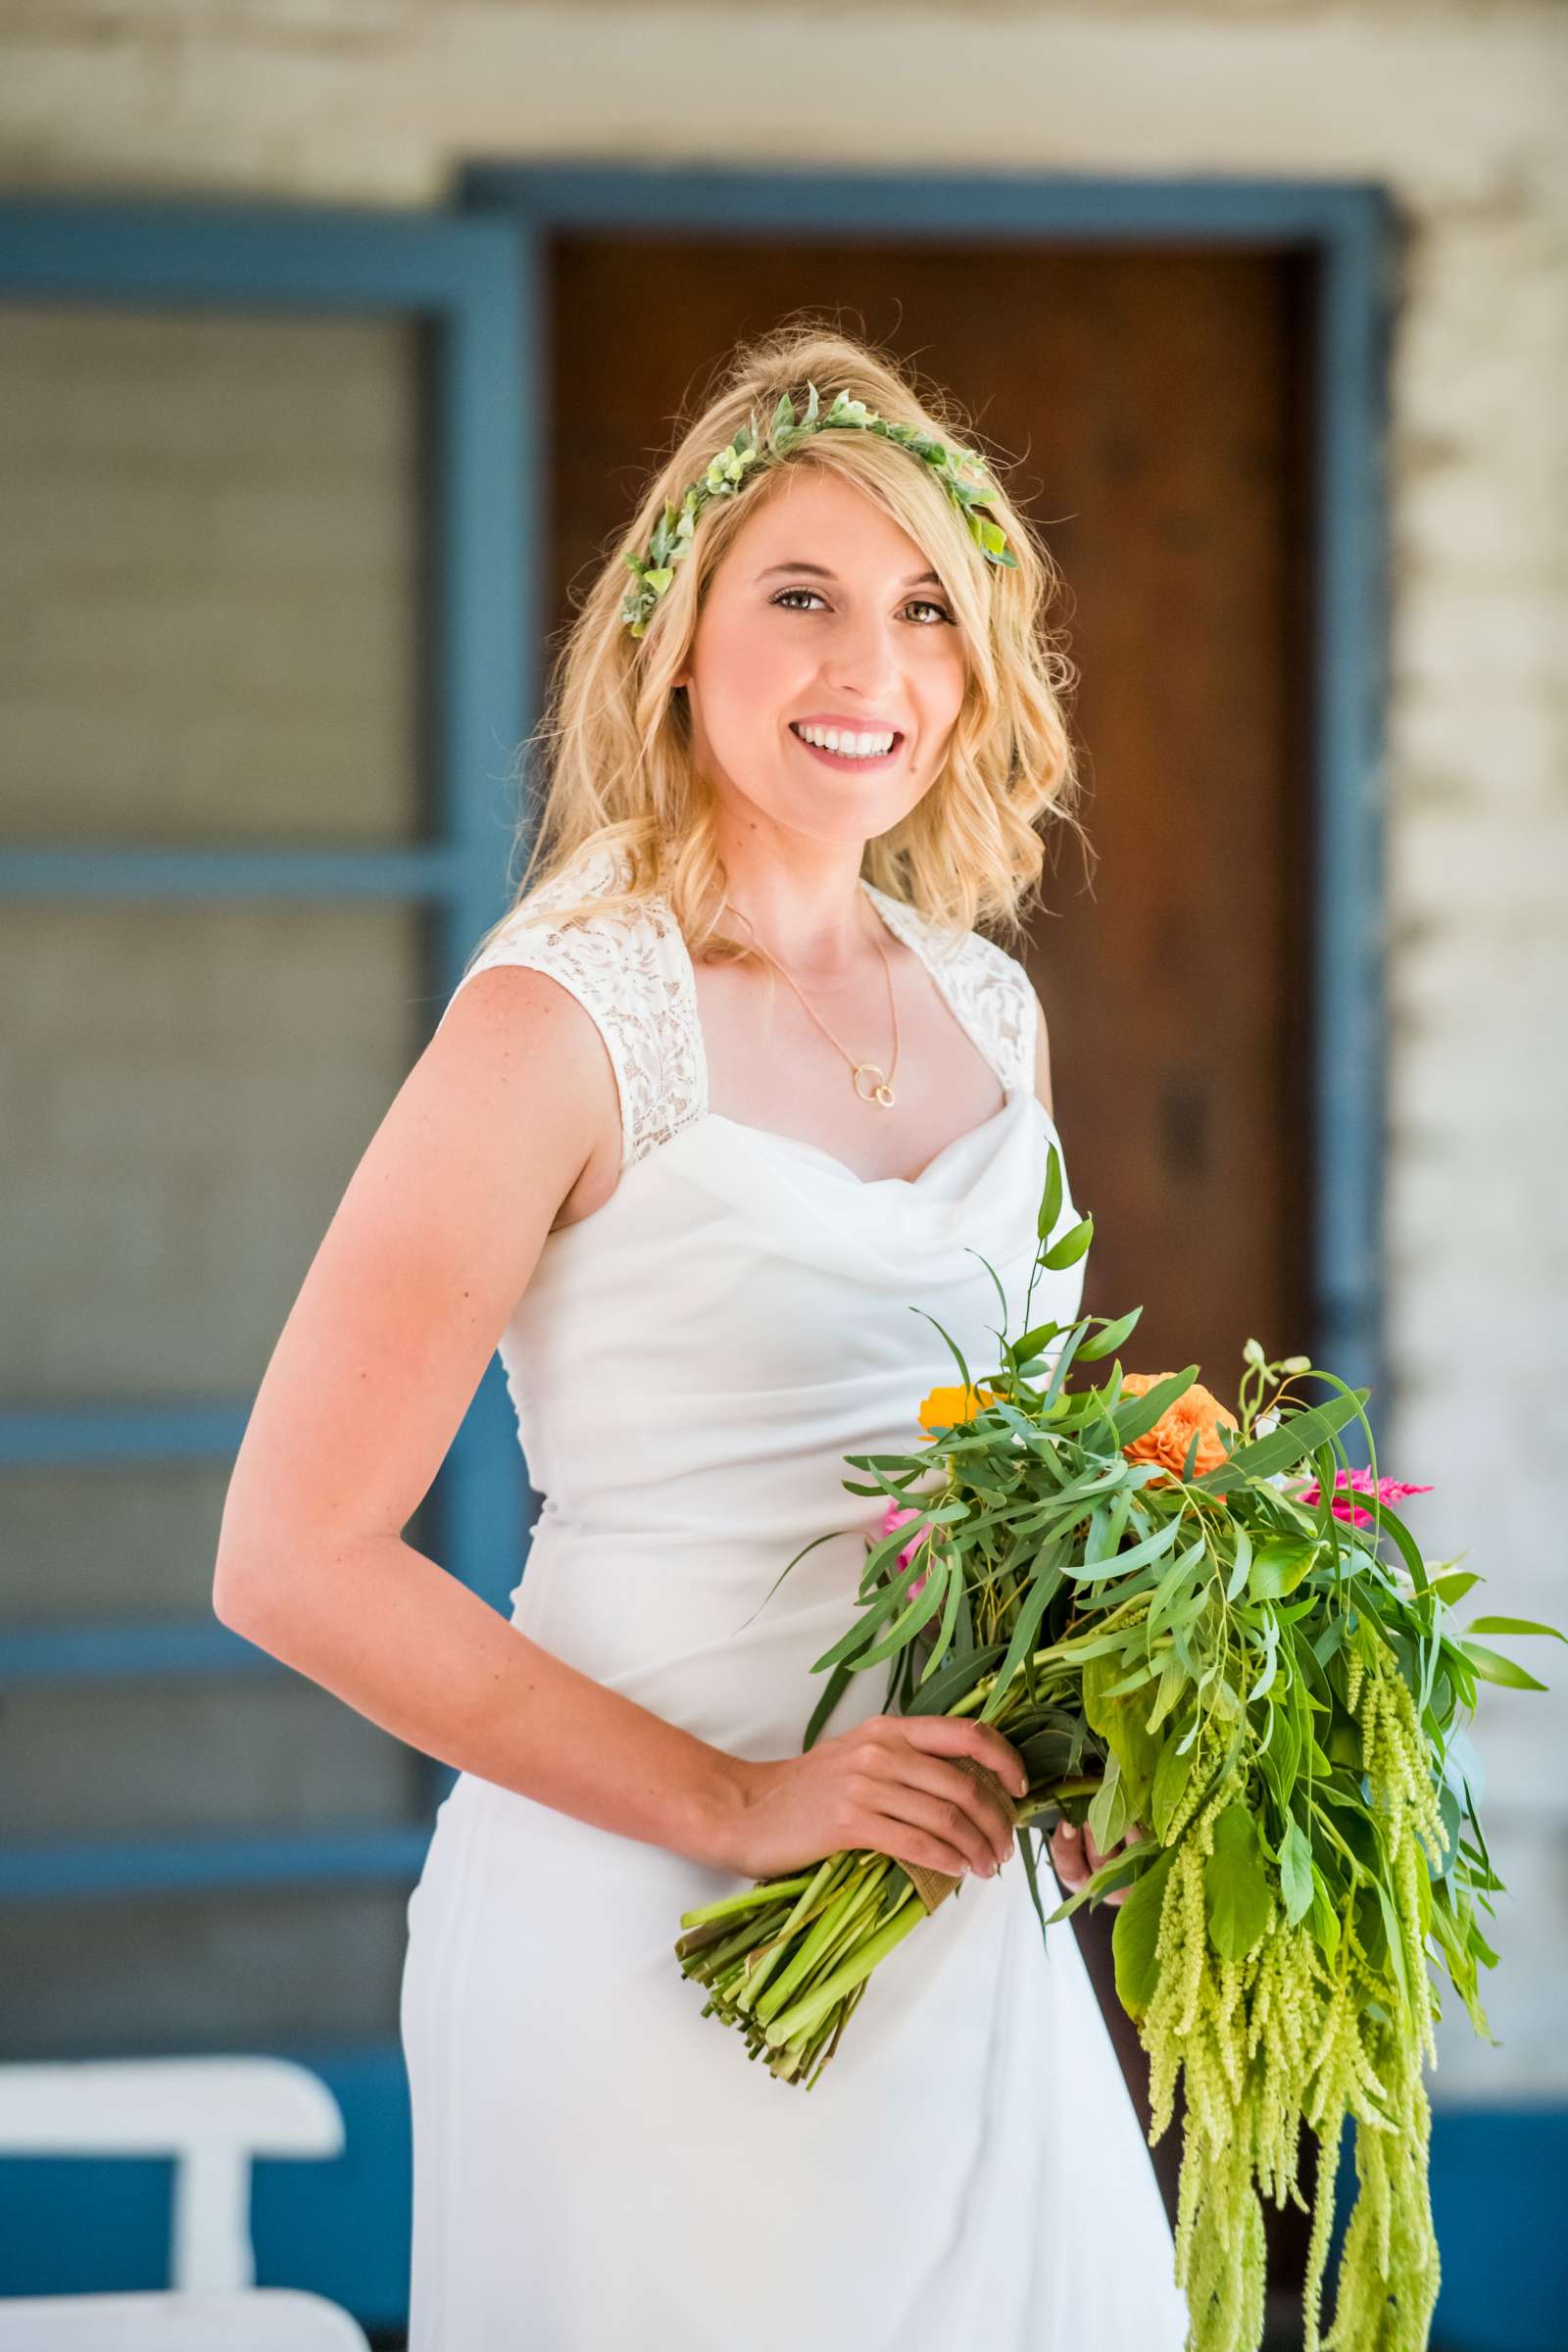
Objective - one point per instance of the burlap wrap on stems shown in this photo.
(933, 1887)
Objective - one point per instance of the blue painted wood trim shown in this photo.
(487, 615)
(417, 876)
(140, 1649)
(75, 1435)
(1346, 228)
(332, 259)
(60, 1870)
(463, 277)
(1356, 293)
(990, 207)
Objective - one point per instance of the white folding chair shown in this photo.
(212, 2116)
(264, 2319)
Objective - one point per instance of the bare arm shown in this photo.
(424, 1262)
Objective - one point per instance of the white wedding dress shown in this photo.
(596, 2166)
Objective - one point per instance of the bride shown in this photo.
(735, 1087)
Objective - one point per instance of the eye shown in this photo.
(918, 603)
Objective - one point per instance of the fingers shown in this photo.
(959, 1736)
(932, 1791)
(1075, 1856)
(1067, 1855)
(949, 1820)
(914, 1770)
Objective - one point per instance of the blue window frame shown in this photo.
(459, 280)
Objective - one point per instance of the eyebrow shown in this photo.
(819, 571)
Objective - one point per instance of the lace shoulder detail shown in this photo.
(989, 989)
(628, 973)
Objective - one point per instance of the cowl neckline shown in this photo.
(907, 927)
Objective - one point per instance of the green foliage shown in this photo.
(1273, 1696)
(1135, 1938)
(1236, 1890)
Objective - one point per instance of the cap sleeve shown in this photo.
(988, 988)
(617, 966)
(999, 997)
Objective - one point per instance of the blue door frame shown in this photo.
(340, 2227)
(1350, 232)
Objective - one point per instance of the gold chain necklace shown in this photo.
(881, 1090)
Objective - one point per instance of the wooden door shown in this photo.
(1153, 399)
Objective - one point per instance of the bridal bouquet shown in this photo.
(1186, 1621)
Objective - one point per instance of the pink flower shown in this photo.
(1389, 1490)
(893, 1517)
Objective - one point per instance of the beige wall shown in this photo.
(1460, 110)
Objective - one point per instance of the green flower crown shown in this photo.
(728, 474)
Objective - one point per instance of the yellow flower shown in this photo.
(943, 1407)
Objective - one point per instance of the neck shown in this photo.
(807, 906)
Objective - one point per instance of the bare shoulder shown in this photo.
(520, 1064)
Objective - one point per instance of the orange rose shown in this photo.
(1167, 1442)
(943, 1407)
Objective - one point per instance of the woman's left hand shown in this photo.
(1075, 1857)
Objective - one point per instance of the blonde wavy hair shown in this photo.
(614, 743)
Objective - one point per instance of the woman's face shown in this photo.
(824, 614)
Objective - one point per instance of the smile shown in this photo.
(846, 759)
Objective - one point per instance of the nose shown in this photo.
(864, 660)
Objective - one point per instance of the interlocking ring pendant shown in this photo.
(879, 1091)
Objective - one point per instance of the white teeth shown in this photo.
(848, 745)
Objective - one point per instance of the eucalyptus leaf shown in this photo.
(1034, 1343)
(1494, 1667)
(838, 1682)
(1107, 1342)
(1072, 1246)
(1051, 1197)
(954, 1683)
(949, 1619)
(1285, 1447)
(1513, 1625)
(1241, 1565)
